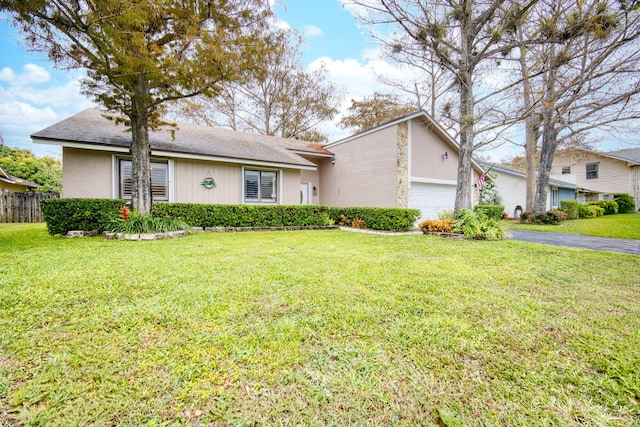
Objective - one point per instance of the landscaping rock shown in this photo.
(147, 236)
(197, 229)
(109, 235)
(131, 237)
(75, 233)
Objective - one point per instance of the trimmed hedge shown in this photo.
(590, 211)
(490, 211)
(64, 215)
(626, 203)
(571, 208)
(610, 206)
(199, 215)
(388, 219)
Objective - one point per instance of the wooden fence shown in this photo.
(22, 207)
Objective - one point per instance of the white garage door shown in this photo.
(431, 198)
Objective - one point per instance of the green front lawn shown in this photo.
(623, 226)
(315, 328)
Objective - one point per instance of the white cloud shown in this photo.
(312, 31)
(34, 74)
(7, 75)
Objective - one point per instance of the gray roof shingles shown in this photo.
(90, 127)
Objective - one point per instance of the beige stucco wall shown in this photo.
(86, 173)
(314, 178)
(364, 173)
(427, 149)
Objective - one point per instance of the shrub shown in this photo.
(446, 214)
(590, 211)
(610, 206)
(391, 219)
(491, 211)
(198, 215)
(64, 215)
(626, 203)
(552, 217)
(526, 216)
(571, 208)
(476, 225)
(436, 225)
(136, 223)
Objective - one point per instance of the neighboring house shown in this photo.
(409, 162)
(603, 174)
(512, 190)
(12, 184)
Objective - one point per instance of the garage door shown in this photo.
(432, 198)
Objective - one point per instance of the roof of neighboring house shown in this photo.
(523, 175)
(10, 179)
(420, 114)
(630, 155)
(91, 130)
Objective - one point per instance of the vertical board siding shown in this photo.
(87, 173)
(22, 207)
(189, 174)
(426, 154)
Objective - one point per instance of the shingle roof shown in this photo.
(631, 155)
(91, 127)
(523, 175)
(10, 179)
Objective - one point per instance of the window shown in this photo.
(566, 170)
(260, 186)
(592, 170)
(159, 180)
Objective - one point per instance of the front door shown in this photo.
(305, 193)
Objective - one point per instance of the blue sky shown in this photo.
(34, 95)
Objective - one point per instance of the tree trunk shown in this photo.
(464, 199)
(549, 136)
(140, 154)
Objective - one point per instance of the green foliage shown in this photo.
(610, 206)
(626, 203)
(621, 226)
(374, 111)
(489, 191)
(198, 215)
(45, 171)
(590, 211)
(490, 211)
(391, 219)
(571, 208)
(64, 215)
(137, 223)
(446, 214)
(476, 225)
(552, 217)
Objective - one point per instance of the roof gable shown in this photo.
(90, 127)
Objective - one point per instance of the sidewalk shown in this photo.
(627, 246)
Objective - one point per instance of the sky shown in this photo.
(34, 95)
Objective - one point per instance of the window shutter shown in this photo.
(251, 184)
(268, 187)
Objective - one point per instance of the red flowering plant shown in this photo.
(125, 213)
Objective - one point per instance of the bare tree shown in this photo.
(583, 75)
(278, 97)
(463, 36)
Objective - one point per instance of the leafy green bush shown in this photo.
(526, 217)
(590, 211)
(198, 215)
(491, 211)
(610, 206)
(626, 203)
(64, 215)
(571, 208)
(552, 217)
(476, 225)
(391, 219)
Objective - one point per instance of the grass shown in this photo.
(623, 226)
(315, 328)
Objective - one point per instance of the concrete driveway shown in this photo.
(627, 246)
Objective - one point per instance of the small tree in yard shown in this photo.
(141, 54)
